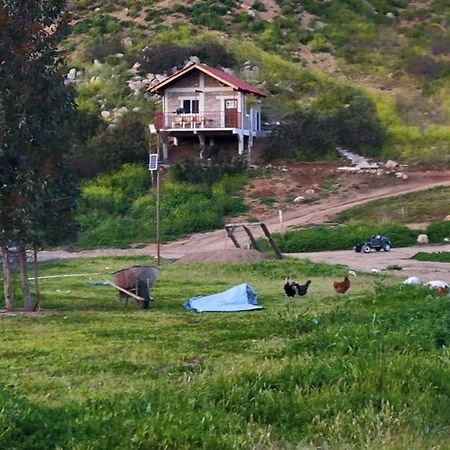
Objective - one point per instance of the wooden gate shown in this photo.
(231, 227)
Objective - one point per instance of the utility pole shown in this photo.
(158, 204)
(154, 166)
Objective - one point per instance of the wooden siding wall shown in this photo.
(190, 80)
(212, 82)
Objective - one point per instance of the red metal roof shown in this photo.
(224, 77)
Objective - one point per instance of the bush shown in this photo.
(347, 120)
(198, 172)
(342, 238)
(438, 231)
(303, 135)
(110, 148)
(213, 53)
(113, 193)
(162, 58)
(209, 15)
(98, 25)
(357, 127)
(422, 66)
(440, 45)
(103, 49)
(259, 6)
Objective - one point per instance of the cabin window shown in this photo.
(190, 106)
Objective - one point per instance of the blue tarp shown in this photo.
(239, 298)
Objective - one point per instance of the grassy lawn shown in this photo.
(368, 369)
(416, 207)
(435, 256)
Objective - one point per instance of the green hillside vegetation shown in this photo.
(118, 209)
(417, 207)
(388, 72)
(365, 370)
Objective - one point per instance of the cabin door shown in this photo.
(231, 113)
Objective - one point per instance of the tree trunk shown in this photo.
(37, 303)
(7, 291)
(22, 256)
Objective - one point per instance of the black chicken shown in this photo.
(292, 288)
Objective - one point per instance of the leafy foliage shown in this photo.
(342, 238)
(116, 209)
(101, 149)
(37, 192)
(98, 25)
(199, 172)
(314, 133)
(438, 231)
(161, 58)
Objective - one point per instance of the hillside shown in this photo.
(382, 61)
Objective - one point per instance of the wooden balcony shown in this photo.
(201, 120)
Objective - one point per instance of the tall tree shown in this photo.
(37, 193)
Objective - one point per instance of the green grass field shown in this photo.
(368, 369)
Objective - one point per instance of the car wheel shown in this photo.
(387, 248)
(357, 248)
(365, 248)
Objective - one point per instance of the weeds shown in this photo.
(435, 256)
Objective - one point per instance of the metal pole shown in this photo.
(158, 206)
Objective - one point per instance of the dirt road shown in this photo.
(297, 215)
(378, 261)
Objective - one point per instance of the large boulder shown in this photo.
(422, 239)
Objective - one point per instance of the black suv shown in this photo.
(376, 242)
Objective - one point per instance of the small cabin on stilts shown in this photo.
(208, 106)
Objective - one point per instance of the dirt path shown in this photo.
(298, 215)
(217, 241)
(378, 261)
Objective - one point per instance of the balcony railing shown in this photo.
(207, 119)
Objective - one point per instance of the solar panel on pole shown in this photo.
(153, 161)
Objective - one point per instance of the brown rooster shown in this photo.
(443, 291)
(341, 287)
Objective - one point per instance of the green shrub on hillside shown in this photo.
(112, 193)
(161, 58)
(110, 148)
(209, 14)
(344, 237)
(200, 172)
(438, 231)
(349, 122)
(97, 25)
(105, 48)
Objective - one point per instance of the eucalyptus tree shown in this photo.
(36, 191)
